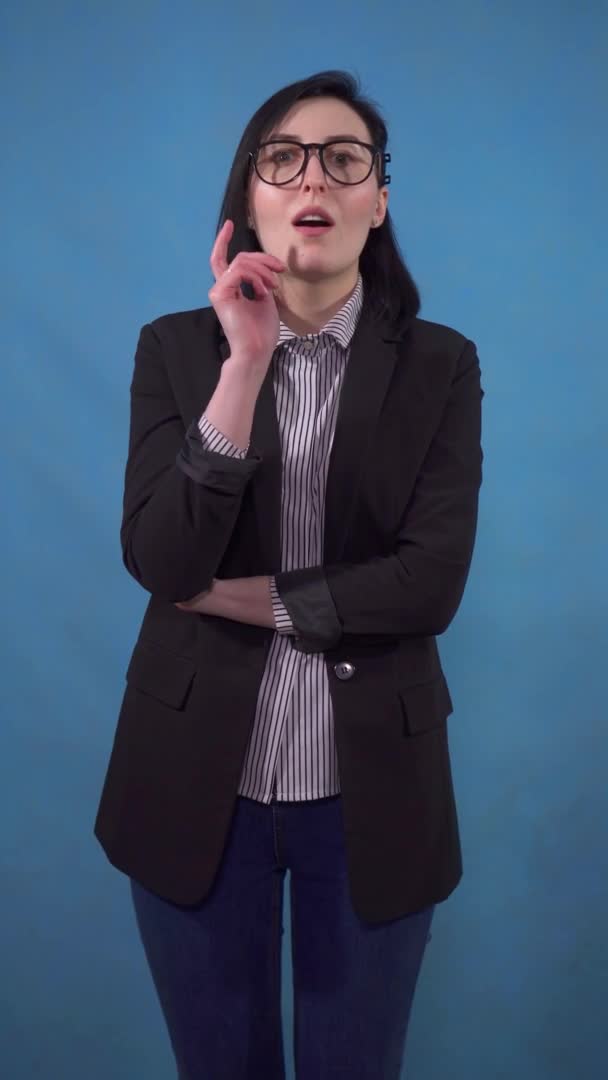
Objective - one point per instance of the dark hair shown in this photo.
(390, 291)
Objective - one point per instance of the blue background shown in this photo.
(119, 126)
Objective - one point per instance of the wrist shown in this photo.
(226, 596)
(246, 369)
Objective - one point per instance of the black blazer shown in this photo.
(401, 514)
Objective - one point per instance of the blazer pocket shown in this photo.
(161, 674)
(425, 706)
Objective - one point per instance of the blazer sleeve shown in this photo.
(417, 589)
(181, 500)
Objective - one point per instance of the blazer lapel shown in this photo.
(373, 354)
(366, 381)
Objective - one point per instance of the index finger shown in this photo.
(219, 252)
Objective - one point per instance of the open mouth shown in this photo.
(312, 226)
(313, 221)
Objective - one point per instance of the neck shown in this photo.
(306, 306)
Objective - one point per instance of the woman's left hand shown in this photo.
(245, 600)
(201, 603)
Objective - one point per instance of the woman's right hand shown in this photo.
(251, 326)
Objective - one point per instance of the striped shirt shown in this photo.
(292, 753)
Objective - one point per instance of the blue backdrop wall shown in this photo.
(120, 121)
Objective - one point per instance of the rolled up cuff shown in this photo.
(282, 618)
(213, 439)
(215, 470)
(307, 598)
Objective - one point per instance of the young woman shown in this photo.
(300, 502)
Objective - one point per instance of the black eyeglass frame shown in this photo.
(307, 147)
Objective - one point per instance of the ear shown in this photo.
(380, 212)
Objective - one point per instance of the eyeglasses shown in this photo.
(279, 161)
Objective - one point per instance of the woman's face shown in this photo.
(272, 209)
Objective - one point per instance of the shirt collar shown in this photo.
(341, 326)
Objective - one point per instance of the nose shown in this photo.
(314, 169)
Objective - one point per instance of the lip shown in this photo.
(313, 230)
(317, 211)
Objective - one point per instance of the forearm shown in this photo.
(181, 501)
(246, 600)
(174, 535)
(393, 596)
(232, 406)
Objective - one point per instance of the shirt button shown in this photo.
(308, 345)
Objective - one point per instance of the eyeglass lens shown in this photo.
(349, 163)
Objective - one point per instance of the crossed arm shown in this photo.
(415, 590)
(245, 600)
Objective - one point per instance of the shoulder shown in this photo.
(437, 337)
(440, 348)
(178, 328)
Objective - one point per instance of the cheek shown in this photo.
(356, 220)
(266, 203)
(360, 208)
(269, 214)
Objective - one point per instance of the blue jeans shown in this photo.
(217, 966)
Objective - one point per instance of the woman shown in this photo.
(300, 502)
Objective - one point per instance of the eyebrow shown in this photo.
(329, 138)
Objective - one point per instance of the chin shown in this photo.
(312, 269)
(312, 276)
